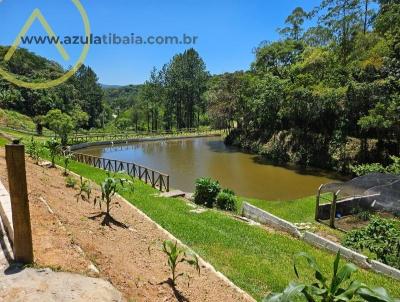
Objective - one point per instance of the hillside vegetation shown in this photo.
(325, 95)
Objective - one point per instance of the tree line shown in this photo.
(326, 95)
(80, 94)
(172, 97)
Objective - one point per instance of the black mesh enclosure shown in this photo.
(377, 191)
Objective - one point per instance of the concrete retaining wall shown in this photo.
(266, 218)
(135, 140)
(6, 212)
(385, 269)
(323, 243)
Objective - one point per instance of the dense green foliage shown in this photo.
(381, 237)
(226, 200)
(337, 289)
(393, 168)
(206, 192)
(325, 96)
(81, 91)
(172, 98)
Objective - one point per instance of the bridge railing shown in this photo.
(155, 178)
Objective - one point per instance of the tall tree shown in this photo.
(90, 93)
(295, 21)
(343, 18)
(186, 80)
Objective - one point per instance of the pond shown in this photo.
(186, 160)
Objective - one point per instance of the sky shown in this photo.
(227, 31)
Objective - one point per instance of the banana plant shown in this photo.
(178, 255)
(334, 290)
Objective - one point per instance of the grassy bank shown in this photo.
(300, 210)
(256, 260)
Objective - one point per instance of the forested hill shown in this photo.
(81, 93)
(327, 95)
(121, 97)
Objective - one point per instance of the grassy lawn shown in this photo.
(301, 210)
(254, 259)
(3, 141)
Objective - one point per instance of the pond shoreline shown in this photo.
(136, 140)
(188, 158)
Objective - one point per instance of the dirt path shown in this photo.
(121, 255)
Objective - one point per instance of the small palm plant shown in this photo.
(335, 290)
(53, 146)
(178, 255)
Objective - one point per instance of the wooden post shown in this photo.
(167, 183)
(15, 158)
(317, 203)
(333, 210)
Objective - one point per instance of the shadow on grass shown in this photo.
(108, 220)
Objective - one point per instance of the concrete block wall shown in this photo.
(266, 218)
(363, 261)
(346, 253)
(385, 269)
(6, 212)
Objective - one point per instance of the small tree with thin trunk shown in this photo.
(54, 147)
(62, 124)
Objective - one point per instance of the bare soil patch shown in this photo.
(121, 254)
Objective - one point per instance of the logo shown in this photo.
(37, 15)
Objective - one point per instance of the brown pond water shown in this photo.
(186, 160)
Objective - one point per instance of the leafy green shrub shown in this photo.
(178, 255)
(226, 201)
(364, 216)
(381, 237)
(393, 168)
(206, 192)
(229, 191)
(70, 182)
(338, 289)
(365, 169)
